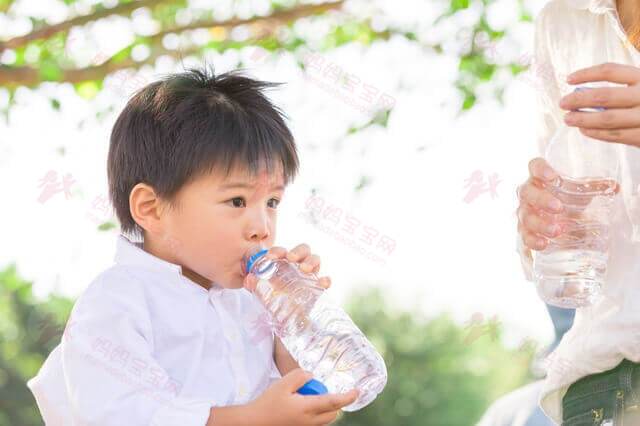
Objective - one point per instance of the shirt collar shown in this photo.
(131, 253)
(595, 6)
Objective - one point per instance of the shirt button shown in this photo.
(243, 391)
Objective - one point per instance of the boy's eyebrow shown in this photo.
(234, 185)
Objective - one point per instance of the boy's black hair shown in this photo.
(188, 125)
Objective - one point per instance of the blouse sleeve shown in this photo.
(548, 113)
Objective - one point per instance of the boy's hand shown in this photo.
(280, 405)
(301, 254)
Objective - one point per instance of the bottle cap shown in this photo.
(254, 257)
(313, 387)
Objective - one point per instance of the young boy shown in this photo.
(197, 166)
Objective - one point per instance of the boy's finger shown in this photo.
(250, 282)
(327, 418)
(276, 252)
(324, 282)
(310, 264)
(299, 252)
(331, 402)
(295, 379)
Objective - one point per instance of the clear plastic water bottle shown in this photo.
(571, 271)
(319, 335)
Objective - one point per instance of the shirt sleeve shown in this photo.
(548, 113)
(110, 373)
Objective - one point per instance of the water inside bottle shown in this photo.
(319, 335)
(571, 271)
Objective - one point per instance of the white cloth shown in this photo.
(144, 345)
(570, 35)
(517, 408)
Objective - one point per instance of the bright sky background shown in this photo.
(450, 255)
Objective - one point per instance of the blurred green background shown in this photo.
(441, 372)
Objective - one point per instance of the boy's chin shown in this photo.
(236, 282)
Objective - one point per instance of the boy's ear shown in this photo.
(146, 208)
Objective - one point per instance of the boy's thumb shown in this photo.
(295, 379)
(250, 281)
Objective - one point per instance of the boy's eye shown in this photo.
(238, 202)
(274, 205)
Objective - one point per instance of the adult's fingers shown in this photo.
(604, 97)
(539, 168)
(610, 71)
(629, 137)
(539, 198)
(537, 224)
(623, 118)
(533, 241)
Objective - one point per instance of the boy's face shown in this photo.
(217, 219)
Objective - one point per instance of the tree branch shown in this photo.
(49, 30)
(29, 76)
(276, 17)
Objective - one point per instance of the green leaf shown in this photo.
(526, 17)
(517, 68)
(55, 104)
(88, 89)
(122, 54)
(457, 5)
(364, 182)
(475, 65)
(469, 101)
(106, 226)
(5, 5)
(50, 71)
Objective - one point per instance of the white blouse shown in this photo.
(570, 35)
(144, 345)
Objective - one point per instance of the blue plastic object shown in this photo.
(255, 257)
(313, 387)
(588, 109)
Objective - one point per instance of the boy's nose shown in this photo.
(258, 229)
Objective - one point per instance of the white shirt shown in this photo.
(570, 35)
(144, 345)
(517, 408)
